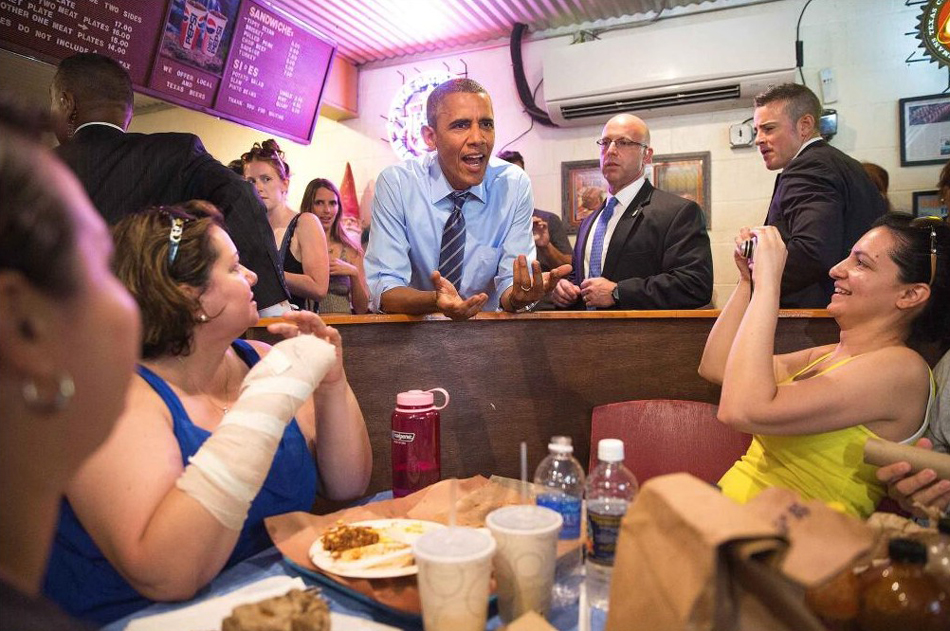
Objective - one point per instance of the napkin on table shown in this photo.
(209, 614)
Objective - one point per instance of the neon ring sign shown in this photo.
(407, 114)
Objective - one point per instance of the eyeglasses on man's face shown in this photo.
(621, 144)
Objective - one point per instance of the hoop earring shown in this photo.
(65, 389)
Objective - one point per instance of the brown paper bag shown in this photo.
(690, 558)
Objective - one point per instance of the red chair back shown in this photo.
(662, 436)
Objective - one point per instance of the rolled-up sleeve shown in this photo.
(387, 256)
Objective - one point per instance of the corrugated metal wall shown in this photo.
(375, 30)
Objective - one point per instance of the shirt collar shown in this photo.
(99, 123)
(805, 144)
(627, 193)
(439, 187)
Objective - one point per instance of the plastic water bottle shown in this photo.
(610, 489)
(559, 481)
(416, 441)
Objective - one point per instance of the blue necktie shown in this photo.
(597, 247)
(452, 252)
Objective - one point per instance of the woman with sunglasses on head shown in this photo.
(218, 433)
(811, 411)
(68, 344)
(301, 243)
(348, 292)
(923, 491)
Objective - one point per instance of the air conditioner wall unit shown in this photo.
(700, 63)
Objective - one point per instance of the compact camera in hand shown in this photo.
(747, 248)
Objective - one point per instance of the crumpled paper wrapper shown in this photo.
(294, 533)
(887, 526)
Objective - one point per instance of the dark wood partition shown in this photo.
(529, 377)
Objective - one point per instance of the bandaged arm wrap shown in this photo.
(227, 472)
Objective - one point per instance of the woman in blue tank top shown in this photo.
(151, 515)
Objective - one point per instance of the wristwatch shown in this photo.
(615, 294)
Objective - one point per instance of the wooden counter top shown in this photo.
(337, 319)
(515, 377)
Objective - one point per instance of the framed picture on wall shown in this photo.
(583, 190)
(686, 175)
(925, 130)
(927, 204)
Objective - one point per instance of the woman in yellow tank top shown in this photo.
(811, 411)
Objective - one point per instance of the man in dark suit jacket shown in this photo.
(823, 200)
(644, 248)
(91, 98)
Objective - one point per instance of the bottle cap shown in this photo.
(421, 398)
(610, 450)
(907, 551)
(561, 445)
(415, 398)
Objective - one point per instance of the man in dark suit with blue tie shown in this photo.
(644, 248)
(91, 100)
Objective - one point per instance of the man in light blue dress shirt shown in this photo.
(413, 204)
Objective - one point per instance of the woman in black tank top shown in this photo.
(299, 237)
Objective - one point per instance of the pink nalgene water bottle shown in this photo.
(417, 461)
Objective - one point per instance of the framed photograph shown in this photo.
(927, 204)
(925, 130)
(686, 175)
(583, 190)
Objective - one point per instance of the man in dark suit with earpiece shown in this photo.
(823, 200)
(91, 102)
(644, 248)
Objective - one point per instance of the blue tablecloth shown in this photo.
(270, 562)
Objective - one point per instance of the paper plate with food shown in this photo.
(377, 548)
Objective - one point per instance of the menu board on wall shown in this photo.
(242, 60)
(55, 29)
(270, 72)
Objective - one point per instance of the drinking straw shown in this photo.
(524, 472)
(453, 493)
(583, 609)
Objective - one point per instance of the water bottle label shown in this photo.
(570, 509)
(602, 533)
(403, 438)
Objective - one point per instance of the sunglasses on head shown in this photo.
(930, 223)
(175, 232)
(260, 152)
